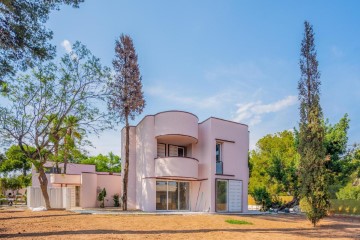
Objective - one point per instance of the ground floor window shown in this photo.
(228, 195)
(172, 195)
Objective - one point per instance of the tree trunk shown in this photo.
(43, 185)
(292, 203)
(56, 154)
(126, 168)
(66, 148)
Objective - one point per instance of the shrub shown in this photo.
(101, 197)
(262, 197)
(116, 199)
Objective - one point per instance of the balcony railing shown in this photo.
(219, 167)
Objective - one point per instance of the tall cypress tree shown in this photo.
(126, 99)
(313, 175)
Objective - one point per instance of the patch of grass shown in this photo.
(240, 222)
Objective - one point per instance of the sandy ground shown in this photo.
(68, 225)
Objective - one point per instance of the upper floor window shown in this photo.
(219, 163)
(161, 150)
(176, 151)
(218, 152)
(169, 150)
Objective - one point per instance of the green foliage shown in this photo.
(24, 37)
(274, 164)
(110, 163)
(15, 160)
(239, 222)
(262, 197)
(335, 142)
(14, 183)
(116, 199)
(313, 172)
(101, 197)
(349, 192)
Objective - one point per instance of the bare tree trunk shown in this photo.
(292, 203)
(43, 185)
(56, 154)
(126, 168)
(66, 154)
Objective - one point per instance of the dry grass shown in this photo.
(68, 225)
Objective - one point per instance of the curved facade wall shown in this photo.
(176, 167)
(176, 123)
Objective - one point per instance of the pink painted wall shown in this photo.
(146, 151)
(88, 190)
(176, 166)
(112, 184)
(176, 122)
(234, 155)
(182, 125)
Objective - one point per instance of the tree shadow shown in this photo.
(39, 216)
(305, 232)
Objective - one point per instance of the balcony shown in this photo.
(176, 127)
(72, 179)
(179, 167)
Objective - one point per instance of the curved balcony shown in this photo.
(176, 127)
(180, 167)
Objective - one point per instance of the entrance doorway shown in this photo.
(228, 195)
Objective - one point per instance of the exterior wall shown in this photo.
(146, 151)
(203, 152)
(234, 155)
(88, 190)
(112, 184)
(183, 129)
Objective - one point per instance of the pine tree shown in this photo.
(313, 175)
(126, 99)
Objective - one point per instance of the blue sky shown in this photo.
(236, 60)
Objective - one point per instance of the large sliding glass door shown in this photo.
(221, 195)
(172, 195)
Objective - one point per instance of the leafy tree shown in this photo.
(13, 183)
(274, 165)
(74, 87)
(313, 173)
(15, 160)
(24, 37)
(336, 140)
(110, 163)
(126, 99)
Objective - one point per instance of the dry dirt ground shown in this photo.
(68, 225)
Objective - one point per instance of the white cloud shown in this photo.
(67, 46)
(252, 112)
